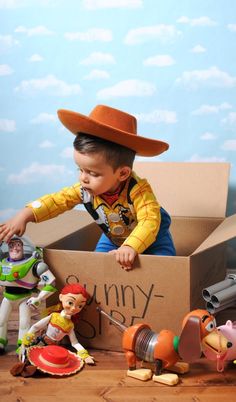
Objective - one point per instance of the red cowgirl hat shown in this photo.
(112, 125)
(54, 360)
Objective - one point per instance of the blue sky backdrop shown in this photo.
(171, 63)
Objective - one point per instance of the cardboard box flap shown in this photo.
(48, 232)
(225, 231)
(188, 188)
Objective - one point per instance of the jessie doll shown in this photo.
(54, 327)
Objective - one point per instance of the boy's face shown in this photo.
(72, 303)
(96, 175)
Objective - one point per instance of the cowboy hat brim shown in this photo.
(77, 122)
(73, 365)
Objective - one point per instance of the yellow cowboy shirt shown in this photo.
(133, 219)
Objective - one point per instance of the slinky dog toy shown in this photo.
(166, 350)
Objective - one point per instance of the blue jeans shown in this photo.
(163, 245)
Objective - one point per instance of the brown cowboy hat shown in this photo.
(112, 125)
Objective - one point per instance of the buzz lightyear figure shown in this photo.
(26, 280)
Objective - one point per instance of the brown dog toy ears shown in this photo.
(189, 348)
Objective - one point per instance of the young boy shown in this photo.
(121, 203)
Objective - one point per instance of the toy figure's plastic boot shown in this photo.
(24, 319)
(5, 311)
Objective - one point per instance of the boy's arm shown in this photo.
(147, 211)
(51, 205)
(46, 207)
(148, 215)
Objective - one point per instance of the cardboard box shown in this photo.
(159, 290)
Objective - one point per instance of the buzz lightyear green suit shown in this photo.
(26, 281)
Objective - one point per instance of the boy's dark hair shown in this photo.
(116, 155)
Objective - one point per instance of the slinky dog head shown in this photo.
(196, 326)
(220, 345)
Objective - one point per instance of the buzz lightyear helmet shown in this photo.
(28, 247)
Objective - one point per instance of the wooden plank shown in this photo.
(107, 381)
(167, 394)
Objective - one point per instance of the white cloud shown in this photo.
(67, 153)
(201, 21)
(97, 75)
(198, 158)
(160, 60)
(158, 116)
(213, 77)
(5, 69)
(232, 27)
(98, 58)
(229, 145)
(46, 144)
(35, 172)
(44, 118)
(7, 42)
(230, 120)
(8, 126)
(211, 109)
(91, 35)
(147, 159)
(127, 88)
(95, 4)
(50, 83)
(208, 136)
(198, 49)
(35, 58)
(40, 30)
(162, 32)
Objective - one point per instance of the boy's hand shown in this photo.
(125, 256)
(16, 225)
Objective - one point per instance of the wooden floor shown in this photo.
(107, 381)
